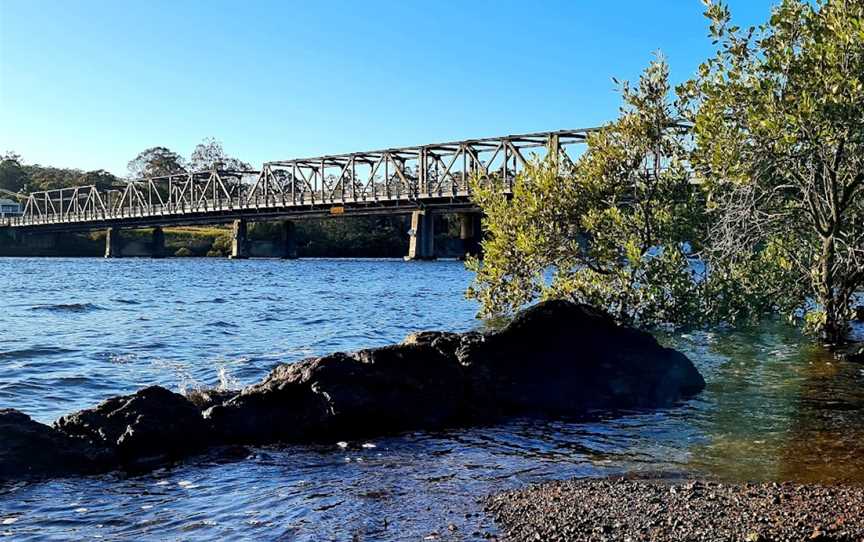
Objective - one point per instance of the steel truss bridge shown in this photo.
(397, 180)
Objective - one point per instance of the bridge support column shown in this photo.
(157, 249)
(113, 243)
(422, 243)
(288, 240)
(470, 233)
(239, 241)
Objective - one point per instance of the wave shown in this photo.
(67, 307)
(222, 324)
(35, 352)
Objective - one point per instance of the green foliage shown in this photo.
(777, 147)
(221, 245)
(779, 128)
(15, 176)
(353, 236)
(209, 154)
(615, 230)
(156, 162)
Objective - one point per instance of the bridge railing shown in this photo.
(428, 172)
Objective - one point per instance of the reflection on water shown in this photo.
(775, 408)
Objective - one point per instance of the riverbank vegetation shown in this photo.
(738, 195)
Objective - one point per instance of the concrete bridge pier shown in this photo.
(113, 243)
(288, 240)
(239, 240)
(158, 244)
(422, 242)
(470, 233)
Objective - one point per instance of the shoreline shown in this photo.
(600, 509)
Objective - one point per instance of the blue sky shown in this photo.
(89, 84)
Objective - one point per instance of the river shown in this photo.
(75, 331)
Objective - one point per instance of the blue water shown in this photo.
(73, 332)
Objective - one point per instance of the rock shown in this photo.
(370, 392)
(207, 397)
(561, 358)
(29, 449)
(555, 358)
(853, 352)
(148, 427)
(859, 313)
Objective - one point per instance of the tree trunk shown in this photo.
(834, 330)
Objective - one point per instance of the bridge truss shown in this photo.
(384, 181)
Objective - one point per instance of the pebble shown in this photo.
(599, 509)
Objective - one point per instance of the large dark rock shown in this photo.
(147, 427)
(561, 358)
(29, 449)
(372, 391)
(556, 358)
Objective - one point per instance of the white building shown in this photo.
(9, 208)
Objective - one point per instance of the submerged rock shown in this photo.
(853, 352)
(30, 449)
(556, 358)
(147, 427)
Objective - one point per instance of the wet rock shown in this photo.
(207, 397)
(29, 449)
(368, 392)
(859, 313)
(562, 358)
(853, 352)
(145, 428)
(554, 358)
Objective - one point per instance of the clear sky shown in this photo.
(89, 84)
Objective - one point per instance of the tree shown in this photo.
(102, 179)
(779, 129)
(209, 154)
(616, 230)
(156, 162)
(13, 176)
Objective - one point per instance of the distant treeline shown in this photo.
(15, 176)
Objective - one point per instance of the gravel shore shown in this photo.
(624, 509)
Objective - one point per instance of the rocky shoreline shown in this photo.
(554, 359)
(626, 509)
